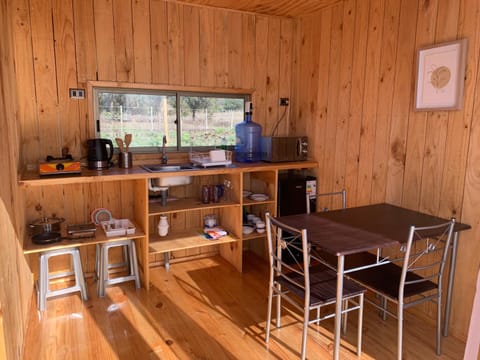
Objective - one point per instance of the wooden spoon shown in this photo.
(119, 143)
(128, 140)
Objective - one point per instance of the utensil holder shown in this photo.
(125, 160)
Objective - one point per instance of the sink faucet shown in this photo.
(164, 150)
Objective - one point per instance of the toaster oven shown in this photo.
(284, 148)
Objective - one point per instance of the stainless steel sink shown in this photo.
(167, 180)
(154, 168)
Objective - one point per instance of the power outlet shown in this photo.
(77, 93)
(284, 101)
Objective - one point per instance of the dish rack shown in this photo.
(204, 158)
(118, 227)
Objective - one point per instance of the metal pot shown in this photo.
(46, 225)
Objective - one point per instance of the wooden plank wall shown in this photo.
(15, 276)
(64, 44)
(353, 96)
(68, 43)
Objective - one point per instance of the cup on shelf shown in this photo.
(255, 219)
(210, 221)
(220, 190)
(260, 225)
(205, 194)
(214, 194)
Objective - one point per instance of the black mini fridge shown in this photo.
(292, 200)
(292, 193)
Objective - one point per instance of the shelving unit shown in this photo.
(259, 182)
(125, 193)
(186, 212)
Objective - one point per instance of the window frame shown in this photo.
(178, 91)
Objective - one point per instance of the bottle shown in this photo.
(248, 138)
(163, 226)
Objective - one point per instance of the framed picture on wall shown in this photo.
(440, 76)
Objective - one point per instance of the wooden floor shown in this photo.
(204, 309)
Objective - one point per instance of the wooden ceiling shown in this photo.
(286, 8)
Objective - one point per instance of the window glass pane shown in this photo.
(205, 120)
(146, 116)
(209, 120)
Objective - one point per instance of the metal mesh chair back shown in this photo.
(304, 285)
(332, 196)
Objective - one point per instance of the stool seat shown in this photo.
(43, 289)
(103, 265)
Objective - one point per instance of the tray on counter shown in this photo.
(118, 227)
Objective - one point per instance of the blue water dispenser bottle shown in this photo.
(248, 136)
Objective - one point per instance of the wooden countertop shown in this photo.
(32, 178)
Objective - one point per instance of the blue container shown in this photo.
(248, 139)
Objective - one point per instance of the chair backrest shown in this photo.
(284, 242)
(342, 193)
(426, 253)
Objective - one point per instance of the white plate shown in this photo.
(100, 214)
(259, 197)
(247, 230)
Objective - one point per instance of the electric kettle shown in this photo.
(99, 153)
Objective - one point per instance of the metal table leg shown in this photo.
(338, 307)
(451, 277)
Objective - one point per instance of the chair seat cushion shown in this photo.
(385, 279)
(323, 286)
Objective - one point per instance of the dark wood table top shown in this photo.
(353, 230)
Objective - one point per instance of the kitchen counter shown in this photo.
(32, 178)
(126, 194)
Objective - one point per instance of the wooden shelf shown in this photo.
(254, 235)
(100, 237)
(247, 202)
(181, 205)
(182, 240)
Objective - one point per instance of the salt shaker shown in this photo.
(163, 226)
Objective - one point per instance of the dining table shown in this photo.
(368, 229)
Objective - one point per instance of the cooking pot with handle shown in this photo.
(46, 225)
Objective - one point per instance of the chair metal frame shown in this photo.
(307, 287)
(342, 193)
(426, 251)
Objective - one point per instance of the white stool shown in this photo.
(43, 289)
(103, 265)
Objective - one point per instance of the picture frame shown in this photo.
(441, 76)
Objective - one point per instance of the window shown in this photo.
(188, 119)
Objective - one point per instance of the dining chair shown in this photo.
(414, 278)
(342, 193)
(306, 286)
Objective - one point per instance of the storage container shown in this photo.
(248, 136)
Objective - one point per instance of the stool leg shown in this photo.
(134, 264)
(42, 282)
(126, 258)
(97, 261)
(102, 268)
(79, 278)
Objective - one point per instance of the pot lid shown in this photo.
(48, 220)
